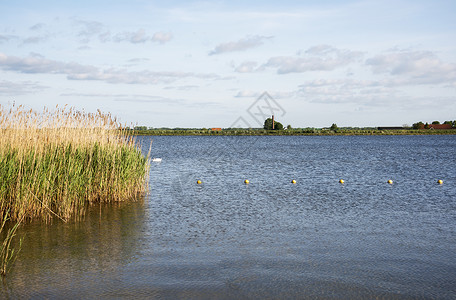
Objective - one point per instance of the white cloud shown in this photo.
(321, 50)
(35, 39)
(256, 94)
(248, 67)
(414, 67)
(9, 88)
(126, 97)
(140, 36)
(162, 37)
(362, 92)
(37, 26)
(247, 94)
(90, 29)
(104, 37)
(317, 58)
(133, 37)
(240, 45)
(37, 64)
(74, 71)
(7, 38)
(182, 87)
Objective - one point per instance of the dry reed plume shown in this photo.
(54, 162)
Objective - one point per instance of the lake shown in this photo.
(223, 239)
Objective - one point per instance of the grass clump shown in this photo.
(55, 162)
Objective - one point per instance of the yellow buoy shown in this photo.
(390, 181)
(440, 181)
(341, 181)
(293, 181)
(246, 181)
(199, 181)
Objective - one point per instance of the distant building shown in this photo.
(433, 126)
(216, 129)
(440, 126)
(390, 128)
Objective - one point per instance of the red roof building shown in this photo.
(440, 126)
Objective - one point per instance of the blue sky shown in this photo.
(203, 63)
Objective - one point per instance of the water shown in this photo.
(223, 239)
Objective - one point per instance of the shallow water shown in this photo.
(269, 239)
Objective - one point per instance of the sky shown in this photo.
(202, 64)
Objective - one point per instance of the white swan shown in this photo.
(156, 159)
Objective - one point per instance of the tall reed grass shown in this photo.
(53, 163)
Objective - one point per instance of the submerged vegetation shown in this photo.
(55, 162)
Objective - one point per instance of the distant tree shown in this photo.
(288, 126)
(452, 123)
(426, 126)
(334, 126)
(268, 125)
(436, 122)
(418, 125)
(278, 126)
(140, 127)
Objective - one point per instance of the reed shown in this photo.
(7, 254)
(53, 163)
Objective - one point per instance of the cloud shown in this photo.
(362, 92)
(140, 36)
(126, 97)
(317, 58)
(7, 38)
(320, 50)
(247, 94)
(248, 67)
(133, 37)
(139, 77)
(241, 45)
(9, 88)
(162, 37)
(414, 67)
(104, 37)
(35, 39)
(385, 94)
(139, 60)
(136, 61)
(182, 87)
(37, 26)
(90, 29)
(35, 63)
(256, 94)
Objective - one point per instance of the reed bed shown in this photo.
(53, 163)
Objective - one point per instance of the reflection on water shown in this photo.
(70, 259)
(269, 239)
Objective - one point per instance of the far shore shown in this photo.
(289, 132)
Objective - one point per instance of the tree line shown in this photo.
(278, 127)
(421, 125)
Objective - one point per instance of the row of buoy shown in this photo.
(341, 181)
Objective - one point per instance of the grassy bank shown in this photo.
(55, 162)
(293, 132)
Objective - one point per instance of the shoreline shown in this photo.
(292, 132)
